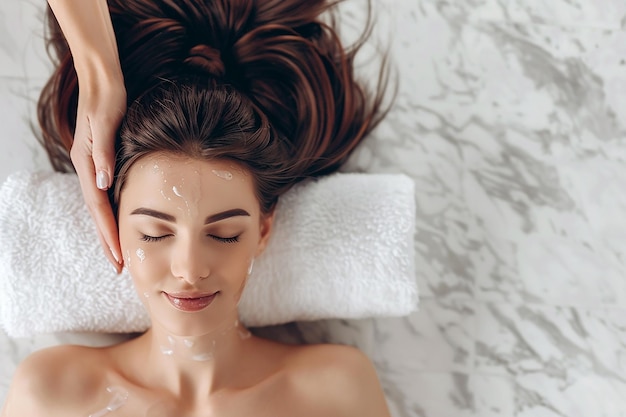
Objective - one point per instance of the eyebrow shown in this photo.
(210, 219)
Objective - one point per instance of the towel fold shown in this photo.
(341, 247)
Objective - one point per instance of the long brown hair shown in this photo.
(267, 84)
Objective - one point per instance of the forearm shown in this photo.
(87, 26)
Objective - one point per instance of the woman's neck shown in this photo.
(193, 367)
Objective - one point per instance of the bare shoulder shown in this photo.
(53, 381)
(337, 380)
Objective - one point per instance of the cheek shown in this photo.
(229, 266)
(242, 268)
(145, 262)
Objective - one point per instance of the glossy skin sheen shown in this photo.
(197, 360)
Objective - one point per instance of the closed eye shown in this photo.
(147, 238)
(233, 239)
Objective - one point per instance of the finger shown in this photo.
(98, 204)
(109, 255)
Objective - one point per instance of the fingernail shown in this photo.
(114, 255)
(102, 180)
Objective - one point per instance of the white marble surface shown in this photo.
(511, 119)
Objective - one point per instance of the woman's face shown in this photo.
(189, 230)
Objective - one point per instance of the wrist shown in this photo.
(95, 70)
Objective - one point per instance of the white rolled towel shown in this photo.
(341, 247)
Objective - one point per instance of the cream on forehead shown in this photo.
(162, 163)
(227, 175)
(187, 184)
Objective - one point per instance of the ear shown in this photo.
(267, 222)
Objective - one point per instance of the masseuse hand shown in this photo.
(101, 106)
(88, 29)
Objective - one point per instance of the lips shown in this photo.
(190, 302)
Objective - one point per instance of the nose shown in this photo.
(189, 261)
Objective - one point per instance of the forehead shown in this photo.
(162, 178)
